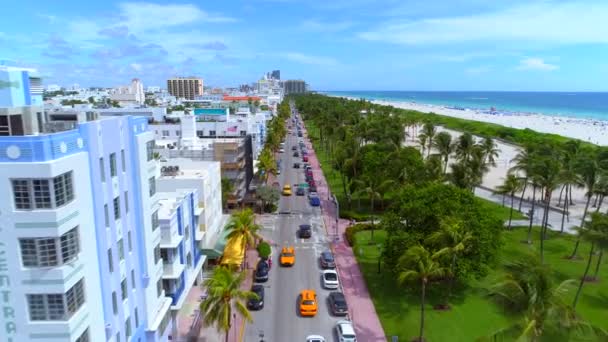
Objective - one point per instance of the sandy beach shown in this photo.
(594, 131)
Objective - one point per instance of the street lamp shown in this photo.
(379, 255)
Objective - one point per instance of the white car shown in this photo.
(281, 150)
(345, 331)
(330, 279)
(315, 338)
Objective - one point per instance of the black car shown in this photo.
(296, 165)
(337, 304)
(305, 231)
(327, 260)
(296, 154)
(293, 148)
(256, 303)
(312, 188)
(261, 271)
(300, 191)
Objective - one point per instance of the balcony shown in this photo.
(169, 238)
(172, 270)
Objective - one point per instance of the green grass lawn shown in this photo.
(472, 315)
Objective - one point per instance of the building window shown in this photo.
(46, 193)
(155, 222)
(106, 215)
(164, 254)
(199, 134)
(136, 318)
(165, 133)
(157, 254)
(114, 303)
(110, 261)
(189, 259)
(49, 251)
(152, 185)
(150, 150)
(178, 133)
(117, 337)
(102, 171)
(121, 250)
(128, 328)
(117, 208)
(212, 133)
(123, 160)
(84, 337)
(123, 289)
(126, 202)
(159, 287)
(133, 280)
(113, 170)
(243, 133)
(129, 241)
(56, 307)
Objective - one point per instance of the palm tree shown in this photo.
(595, 232)
(452, 239)
(227, 189)
(523, 163)
(464, 146)
(533, 179)
(267, 164)
(444, 146)
(528, 288)
(224, 294)
(489, 150)
(422, 140)
(511, 185)
(428, 132)
(242, 226)
(420, 265)
(373, 187)
(548, 176)
(590, 172)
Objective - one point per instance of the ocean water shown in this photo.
(584, 105)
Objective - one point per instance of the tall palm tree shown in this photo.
(523, 163)
(548, 176)
(464, 146)
(224, 294)
(490, 151)
(596, 233)
(242, 226)
(373, 187)
(511, 185)
(452, 240)
(267, 164)
(428, 131)
(534, 180)
(420, 265)
(445, 147)
(528, 288)
(590, 172)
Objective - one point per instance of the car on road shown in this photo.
(345, 331)
(315, 338)
(305, 231)
(308, 303)
(327, 260)
(337, 304)
(294, 148)
(296, 154)
(261, 271)
(315, 201)
(300, 134)
(312, 188)
(300, 191)
(312, 194)
(330, 279)
(288, 256)
(287, 190)
(281, 150)
(256, 303)
(305, 158)
(296, 165)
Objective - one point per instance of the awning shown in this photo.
(218, 249)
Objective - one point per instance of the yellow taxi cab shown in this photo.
(308, 303)
(287, 190)
(288, 256)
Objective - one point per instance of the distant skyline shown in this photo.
(516, 45)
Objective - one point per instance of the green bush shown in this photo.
(264, 250)
(351, 231)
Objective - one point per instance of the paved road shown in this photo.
(279, 319)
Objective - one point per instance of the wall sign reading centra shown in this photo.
(8, 312)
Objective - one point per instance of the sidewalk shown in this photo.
(361, 308)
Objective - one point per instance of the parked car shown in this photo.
(300, 191)
(261, 271)
(296, 165)
(330, 279)
(305, 231)
(315, 338)
(256, 303)
(345, 331)
(312, 194)
(305, 158)
(312, 188)
(327, 260)
(337, 304)
(315, 201)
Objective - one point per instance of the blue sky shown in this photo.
(333, 44)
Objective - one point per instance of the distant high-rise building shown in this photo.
(185, 87)
(295, 87)
(133, 93)
(275, 74)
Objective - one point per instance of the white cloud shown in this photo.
(319, 26)
(536, 64)
(135, 66)
(142, 16)
(308, 59)
(543, 22)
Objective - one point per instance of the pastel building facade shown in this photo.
(80, 237)
(20, 101)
